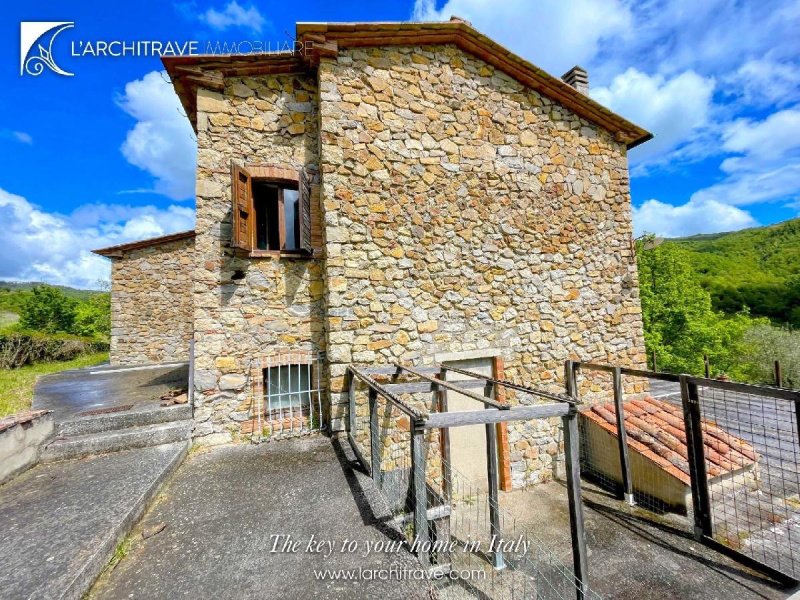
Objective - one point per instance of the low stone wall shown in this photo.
(21, 439)
(151, 303)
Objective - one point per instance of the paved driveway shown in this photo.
(72, 392)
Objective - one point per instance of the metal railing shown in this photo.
(734, 446)
(394, 435)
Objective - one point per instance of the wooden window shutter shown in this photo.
(242, 209)
(306, 181)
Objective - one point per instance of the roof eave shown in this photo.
(188, 73)
(118, 250)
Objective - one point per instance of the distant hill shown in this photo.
(758, 268)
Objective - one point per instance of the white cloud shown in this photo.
(162, 142)
(22, 137)
(696, 216)
(673, 109)
(773, 138)
(552, 34)
(712, 36)
(763, 82)
(19, 136)
(234, 15)
(766, 167)
(43, 246)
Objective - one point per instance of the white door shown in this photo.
(468, 443)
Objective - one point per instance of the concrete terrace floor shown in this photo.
(632, 554)
(223, 504)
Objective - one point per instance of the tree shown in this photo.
(679, 321)
(48, 309)
(93, 317)
(766, 344)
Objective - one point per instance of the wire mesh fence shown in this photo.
(654, 440)
(752, 463)
(463, 528)
(722, 456)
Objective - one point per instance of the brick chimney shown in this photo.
(578, 78)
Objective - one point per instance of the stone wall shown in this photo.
(245, 308)
(151, 303)
(464, 211)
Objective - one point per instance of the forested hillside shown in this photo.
(755, 268)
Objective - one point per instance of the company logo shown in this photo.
(29, 34)
(36, 39)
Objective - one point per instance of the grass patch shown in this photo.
(16, 385)
(8, 318)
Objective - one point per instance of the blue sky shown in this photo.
(106, 156)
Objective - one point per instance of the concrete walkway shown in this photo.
(62, 521)
(221, 509)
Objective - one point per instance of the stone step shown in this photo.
(63, 520)
(77, 446)
(123, 420)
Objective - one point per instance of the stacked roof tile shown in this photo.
(655, 429)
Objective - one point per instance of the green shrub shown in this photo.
(18, 348)
(48, 309)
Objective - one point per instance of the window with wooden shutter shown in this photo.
(272, 210)
(304, 210)
(242, 209)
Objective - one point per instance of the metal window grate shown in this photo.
(288, 393)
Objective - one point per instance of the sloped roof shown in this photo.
(188, 73)
(115, 251)
(655, 429)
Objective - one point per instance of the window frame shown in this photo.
(242, 196)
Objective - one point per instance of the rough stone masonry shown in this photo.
(458, 210)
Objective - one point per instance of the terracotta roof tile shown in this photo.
(655, 429)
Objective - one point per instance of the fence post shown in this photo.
(444, 439)
(622, 439)
(701, 502)
(419, 496)
(573, 472)
(778, 374)
(190, 391)
(492, 468)
(655, 364)
(571, 378)
(351, 402)
(374, 439)
(706, 366)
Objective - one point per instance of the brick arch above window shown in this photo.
(274, 172)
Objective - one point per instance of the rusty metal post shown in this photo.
(701, 501)
(573, 471)
(444, 440)
(419, 492)
(492, 468)
(622, 439)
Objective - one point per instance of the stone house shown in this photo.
(389, 192)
